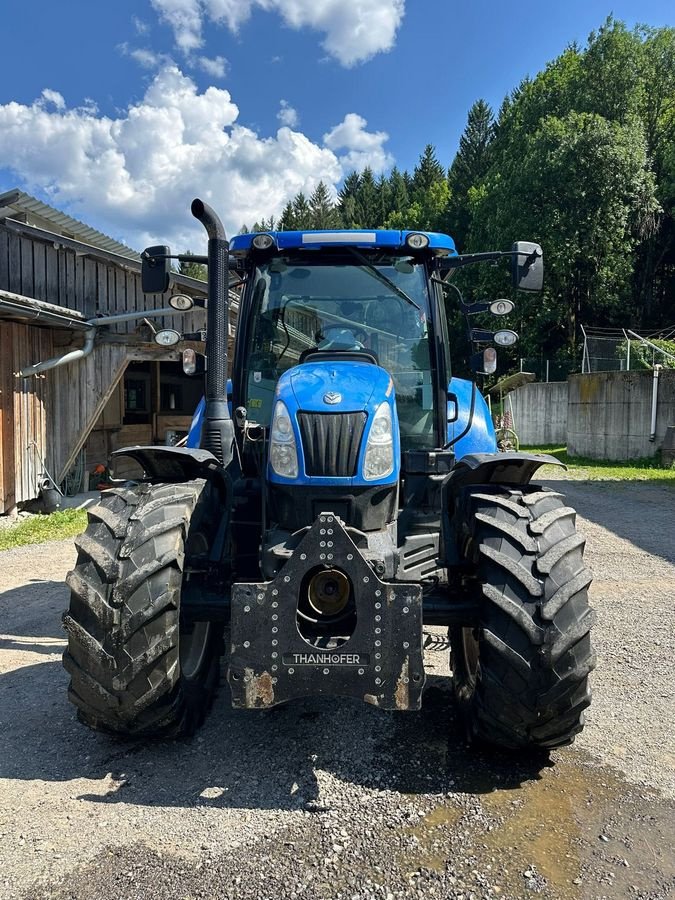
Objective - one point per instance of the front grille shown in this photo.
(331, 442)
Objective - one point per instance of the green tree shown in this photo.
(192, 269)
(321, 208)
(469, 168)
(302, 212)
(428, 171)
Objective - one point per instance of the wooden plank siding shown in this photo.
(58, 409)
(26, 448)
(42, 268)
(81, 391)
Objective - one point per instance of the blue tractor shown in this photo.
(339, 493)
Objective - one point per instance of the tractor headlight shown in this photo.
(283, 452)
(379, 459)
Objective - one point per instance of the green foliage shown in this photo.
(580, 158)
(642, 356)
(57, 526)
(192, 269)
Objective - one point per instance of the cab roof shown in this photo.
(439, 244)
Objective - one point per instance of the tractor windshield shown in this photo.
(339, 305)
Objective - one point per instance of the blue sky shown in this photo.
(120, 113)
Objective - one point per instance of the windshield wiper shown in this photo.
(382, 278)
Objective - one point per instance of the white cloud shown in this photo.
(185, 18)
(216, 67)
(287, 115)
(53, 97)
(361, 147)
(149, 59)
(354, 31)
(135, 175)
(140, 26)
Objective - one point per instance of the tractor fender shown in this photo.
(476, 469)
(176, 464)
(471, 430)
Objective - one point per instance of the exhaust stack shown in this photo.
(218, 434)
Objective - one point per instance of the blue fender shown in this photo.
(477, 435)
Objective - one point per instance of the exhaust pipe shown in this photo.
(218, 434)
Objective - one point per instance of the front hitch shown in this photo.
(381, 660)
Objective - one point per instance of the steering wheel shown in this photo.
(338, 338)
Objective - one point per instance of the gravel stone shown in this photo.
(334, 800)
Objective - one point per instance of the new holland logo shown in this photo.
(332, 397)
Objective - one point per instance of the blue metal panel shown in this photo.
(480, 437)
(439, 244)
(362, 387)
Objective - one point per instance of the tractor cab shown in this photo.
(317, 299)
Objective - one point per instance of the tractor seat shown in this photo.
(314, 354)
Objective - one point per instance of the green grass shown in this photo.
(582, 469)
(37, 529)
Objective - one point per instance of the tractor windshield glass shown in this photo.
(339, 305)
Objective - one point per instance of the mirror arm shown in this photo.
(182, 257)
(467, 259)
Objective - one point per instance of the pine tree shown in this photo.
(383, 195)
(399, 191)
(287, 219)
(321, 208)
(428, 171)
(468, 168)
(302, 212)
(366, 200)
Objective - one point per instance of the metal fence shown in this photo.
(548, 369)
(623, 350)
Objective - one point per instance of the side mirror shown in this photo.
(527, 266)
(155, 269)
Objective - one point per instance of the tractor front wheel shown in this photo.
(137, 667)
(521, 676)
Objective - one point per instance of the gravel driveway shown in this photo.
(334, 799)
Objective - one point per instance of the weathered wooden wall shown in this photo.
(80, 391)
(58, 409)
(57, 270)
(25, 445)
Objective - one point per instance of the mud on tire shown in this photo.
(521, 677)
(135, 667)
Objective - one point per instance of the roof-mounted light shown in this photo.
(417, 241)
(263, 241)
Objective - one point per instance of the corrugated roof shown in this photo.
(16, 201)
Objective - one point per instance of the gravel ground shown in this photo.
(334, 799)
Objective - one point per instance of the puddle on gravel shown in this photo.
(577, 832)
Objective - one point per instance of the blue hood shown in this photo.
(354, 382)
(352, 387)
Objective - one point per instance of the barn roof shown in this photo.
(16, 204)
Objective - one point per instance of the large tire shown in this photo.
(521, 677)
(136, 667)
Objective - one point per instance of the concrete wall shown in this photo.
(540, 412)
(609, 414)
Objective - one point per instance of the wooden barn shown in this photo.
(57, 277)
